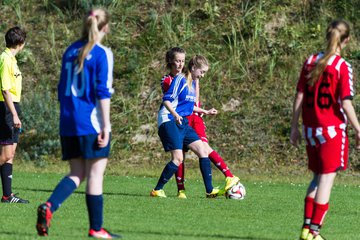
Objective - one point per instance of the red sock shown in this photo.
(220, 164)
(180, 177)
(308, 211)
(318, 216)
(5, 198)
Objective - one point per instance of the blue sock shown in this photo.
(205, 169)
(166, 174)
(95, 205)
(61, 192)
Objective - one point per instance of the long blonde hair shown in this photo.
(93, 23)
(197, 61)
(336, 33)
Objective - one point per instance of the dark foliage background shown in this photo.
(256, 49)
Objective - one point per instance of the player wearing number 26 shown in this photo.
(84, 93)
(324, 93)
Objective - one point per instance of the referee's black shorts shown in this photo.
(8, 134)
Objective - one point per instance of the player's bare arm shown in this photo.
(201, 110)
(350, 113)
(168, 106)
(295, 136)
(104, 135)
(211, 111)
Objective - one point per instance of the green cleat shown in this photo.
(231, 181)
(158, 193)
(181, 194)
(304, 233)
(215, 193)
(310, 236)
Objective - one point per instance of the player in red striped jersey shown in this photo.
(324, 93)
(175, 59)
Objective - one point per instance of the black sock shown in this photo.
(6, 178)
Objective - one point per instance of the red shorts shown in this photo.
(330, 156)
(197, 123)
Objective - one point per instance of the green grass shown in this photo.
(256, 49)
(272, 210)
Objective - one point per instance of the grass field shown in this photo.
(256, 49)
(271, 210)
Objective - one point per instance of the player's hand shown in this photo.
(17, 122)
(178, 119)
(212, 111)
(295, 137)
(357, 138)
(103, 138)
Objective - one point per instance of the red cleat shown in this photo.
(43, 220)
(102, 234)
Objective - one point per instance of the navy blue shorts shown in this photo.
(83, 146)
(175, 136)
(8, 134)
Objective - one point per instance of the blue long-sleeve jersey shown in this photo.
(79, 93)
(182, 100)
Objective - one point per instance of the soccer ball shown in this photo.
(236, 192)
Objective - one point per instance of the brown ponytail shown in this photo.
(336, 33)
(197, 62)
(93, 23)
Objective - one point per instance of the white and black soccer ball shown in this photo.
(236, 192)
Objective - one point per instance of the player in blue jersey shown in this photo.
(84, 93)
(175, 58)
(174, 131)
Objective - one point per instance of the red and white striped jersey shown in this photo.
(322, 113)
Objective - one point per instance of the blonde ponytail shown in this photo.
(336, 33)
(93, 23)
(188, 79)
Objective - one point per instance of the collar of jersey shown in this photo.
(8, 52)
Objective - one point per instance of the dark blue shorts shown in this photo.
(175, 136)
(83, 146)
(8, 134)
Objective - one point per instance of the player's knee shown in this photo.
(77, 178)
(6, 158)
(198, 148)
(201, 152)
(2, 161)
(208, 149)
(177, 159)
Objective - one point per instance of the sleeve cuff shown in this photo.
(168, 99)
(348, 98)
